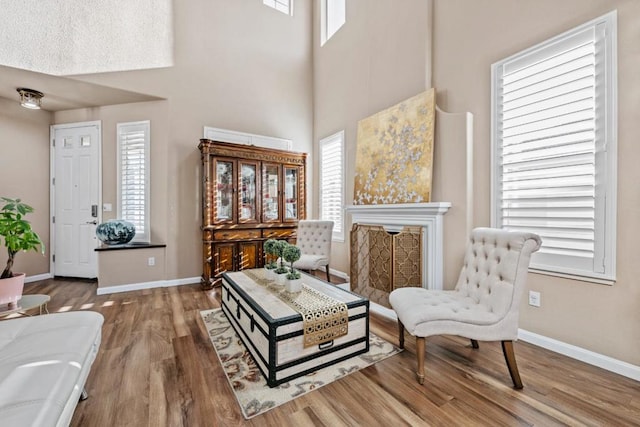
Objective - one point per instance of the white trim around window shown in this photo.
(331, 193)
(134, 176)
(333, 15)
(554, 149)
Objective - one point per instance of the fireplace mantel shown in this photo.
(428, 215)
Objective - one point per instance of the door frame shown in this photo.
(52, 188)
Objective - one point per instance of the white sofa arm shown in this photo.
(44, 363)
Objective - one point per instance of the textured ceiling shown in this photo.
(65, 37)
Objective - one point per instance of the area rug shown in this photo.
(249, 386)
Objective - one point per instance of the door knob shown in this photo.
(94, 222)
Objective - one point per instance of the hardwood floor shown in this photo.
(156, 367)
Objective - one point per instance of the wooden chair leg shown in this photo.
(328, 277)
(474, 344)
(420, 347)
(510, 357)
(400, 334)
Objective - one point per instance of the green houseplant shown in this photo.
(280, 247)
(16, 235)
(292, 254)
(270, 249)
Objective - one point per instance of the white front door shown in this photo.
(76, 186)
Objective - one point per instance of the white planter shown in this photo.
(281, 278)
(293, 285)
(269, 274)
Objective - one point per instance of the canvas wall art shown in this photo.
(394, 153)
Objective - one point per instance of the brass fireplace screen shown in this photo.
(382, 261)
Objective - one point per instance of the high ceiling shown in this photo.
(62, 93)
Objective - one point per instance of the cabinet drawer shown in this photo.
(278, 233)
(236, 234)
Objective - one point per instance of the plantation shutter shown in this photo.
(133, 174)
(549, 130)
(332, 182)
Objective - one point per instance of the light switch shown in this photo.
(106, 207)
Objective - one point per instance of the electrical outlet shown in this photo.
(534, 298)
(151, 261)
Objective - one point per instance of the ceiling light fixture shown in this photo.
(30, 98)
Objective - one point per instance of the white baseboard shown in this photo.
(147, 285)
(596, 359)
(185, 281)
(339, 274)
(36, 277)
(382, 310)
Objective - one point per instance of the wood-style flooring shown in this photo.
(156, 367)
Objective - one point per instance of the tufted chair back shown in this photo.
(314, 237)
(485, 304)
(314, 241)
(495, 269)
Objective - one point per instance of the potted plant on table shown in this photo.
(282, 270)
(270, 264)
(292, 254)
(17, 235)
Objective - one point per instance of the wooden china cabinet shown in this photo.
(249, 194)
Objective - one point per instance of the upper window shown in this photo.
(332, 182)
(133, 176)
(333, 15)
(284, 6)
(554, 149)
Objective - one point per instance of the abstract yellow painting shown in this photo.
(394, 153)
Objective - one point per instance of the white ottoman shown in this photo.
(44, 363)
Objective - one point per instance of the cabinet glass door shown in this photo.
(290, 193)
(224, 191)
(247, 184)
(270, 190)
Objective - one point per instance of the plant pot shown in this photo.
(11, 289)
(294, 285)
(269, 274)
(281, 278)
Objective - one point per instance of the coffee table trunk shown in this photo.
(274, 335)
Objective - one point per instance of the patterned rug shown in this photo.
(250, 387)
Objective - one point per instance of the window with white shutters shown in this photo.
(284, 6)
(133, 176)
(554, 148)
(332, 182)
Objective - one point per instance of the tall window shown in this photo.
(554, 145)
(133, 176)
(332, 182)
(333, 15)
(284, 6)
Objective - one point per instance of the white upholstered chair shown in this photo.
(314, 240)
(484, 306)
